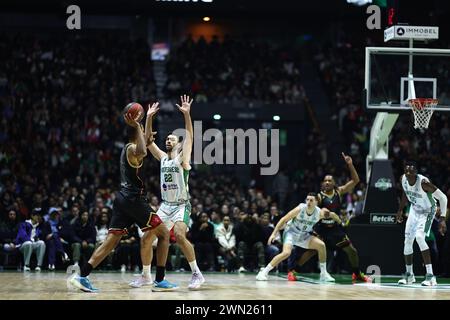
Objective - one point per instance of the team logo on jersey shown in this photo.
(164, 187)
(383, 184)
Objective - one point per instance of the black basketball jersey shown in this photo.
(333, 204)
(131, 182)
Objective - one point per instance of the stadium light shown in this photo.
(206, 19)
(276, 118)
(217, 117)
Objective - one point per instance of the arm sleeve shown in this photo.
(438, 194)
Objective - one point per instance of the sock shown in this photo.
(160, 273)
(267, 269)
(323, 267)
(429, 268)
(194, 266)
(146, 271)
(86, 269)
(409, 268)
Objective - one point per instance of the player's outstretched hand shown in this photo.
(130, 121)
(347, 159)
(186, 102)
(153, 109)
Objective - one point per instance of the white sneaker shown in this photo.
(123, 268)
(430, 280)
(141, 281)
(26, 269)
(51, 267)
(196, 281)
(242, 269)
(408, 278)
(326, 277)
(37, 269)
(261, 276)
(65, 257)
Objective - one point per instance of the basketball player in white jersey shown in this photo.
(300, 222)
(175, 208)
(420, 193)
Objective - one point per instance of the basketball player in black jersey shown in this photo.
(132, 207)
(332, 233)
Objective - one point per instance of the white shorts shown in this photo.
(170, 213)
(418, 223)
(297, 239)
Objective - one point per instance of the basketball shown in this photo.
(134, 109)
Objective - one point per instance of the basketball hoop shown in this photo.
(423, 109)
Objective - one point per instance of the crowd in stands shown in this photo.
(61, 134)
(234, 71)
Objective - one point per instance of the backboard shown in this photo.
(389, 84)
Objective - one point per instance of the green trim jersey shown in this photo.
(174, 180)
(420, 200)
(304, 222)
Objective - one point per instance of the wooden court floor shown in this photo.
(219, 286)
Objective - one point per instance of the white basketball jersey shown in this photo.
(174, 180)
(304, 222)
(419, 199)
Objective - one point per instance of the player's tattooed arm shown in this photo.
(289, 216)
(354, 176)
(156, 152)
(185, 108)
(403, 203)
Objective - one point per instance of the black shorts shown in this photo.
(334, 237)
(128, 210)
(296, 254)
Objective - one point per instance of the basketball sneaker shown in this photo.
(408, 278)
(141, 281)
(164, 285)
(326, 277)
(82, 283)
(261, 276)
(242, 269)
(292, 276)
(361, 277)
(430, 280)
(196, 281)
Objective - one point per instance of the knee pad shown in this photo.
(420, 238)
(408, 248)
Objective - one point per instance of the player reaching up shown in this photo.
(331, 232)
(175, 208)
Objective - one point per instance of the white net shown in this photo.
(423, 110)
